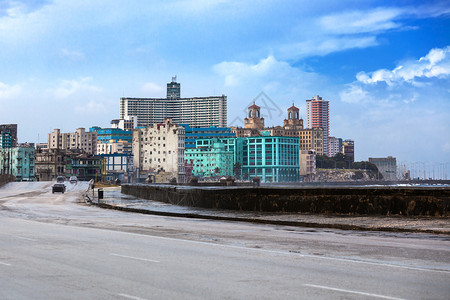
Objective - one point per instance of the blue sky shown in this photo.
(383, 65)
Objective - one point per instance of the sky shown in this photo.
(383, 65)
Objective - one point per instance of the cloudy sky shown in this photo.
(383, 65)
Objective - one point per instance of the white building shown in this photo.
(335, 145)
(160, 148)
(196, 111)
(80, 139)
(127, 123)
(113, 147)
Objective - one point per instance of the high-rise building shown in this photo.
(197, 111)
(317, 115)
(335, 145)
(173, 89)
(80, 139)
(8, 135)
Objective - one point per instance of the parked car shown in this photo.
(60, 179)
(58, 187)
(73, 179)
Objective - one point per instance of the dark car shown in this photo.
(60, 179)
(58, 187)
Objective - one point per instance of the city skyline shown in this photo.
(383, 65)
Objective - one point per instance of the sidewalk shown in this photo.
(433, 225)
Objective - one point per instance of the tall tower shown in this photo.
(293, 121)
(254, 120)
(317, 115)
(173, 89)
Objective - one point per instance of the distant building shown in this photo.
(160, 148)
(84, 166)
(50, 163)
(117, 166)
(107, 135)
(196, 111)
(271, 158)
(173, 89)
(8, 135)
(317, 116)
(192, 134)
(335, 145)
(19, 162)
(213, 160)
(254, 124)
(348, 149)
(114, 147)
(78, 140)
(128, 123)
(312, 139)
(307, 165)
(387, 166)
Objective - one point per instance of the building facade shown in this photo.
(348, 149)
(192, 134)
(271, 158)
(308, 165)
(19, 162)
(312, 139)
(196, 111)
(50, 163)
(117, 166)
(317, 116)
(211, 160)
(160, 148)
(335, 145)
(78, 140)
(113, 146)
(8, 135)
(128, 123)
(387, 166)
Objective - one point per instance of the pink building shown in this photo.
(317, 115)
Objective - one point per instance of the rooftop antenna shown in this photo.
(174, 78)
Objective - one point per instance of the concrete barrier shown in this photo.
(408, 201)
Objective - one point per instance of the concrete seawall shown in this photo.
(408, 201)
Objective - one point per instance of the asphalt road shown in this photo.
(53, 247)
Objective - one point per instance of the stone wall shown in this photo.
(409, 201)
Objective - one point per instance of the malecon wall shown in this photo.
(409, 201)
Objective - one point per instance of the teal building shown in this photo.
(271, 158)
(19, 162)
(210, 159)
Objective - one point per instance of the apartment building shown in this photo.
(80, 139)
(196, 111)
(160, 148)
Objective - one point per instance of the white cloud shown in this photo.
(323, 45)
(72, 55)
(436, 64)
(152, 88)
(90, 108)
(352, 22)
(8, 92)
(69, 88)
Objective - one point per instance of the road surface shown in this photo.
(52, 246)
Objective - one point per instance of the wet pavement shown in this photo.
(114, 199)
